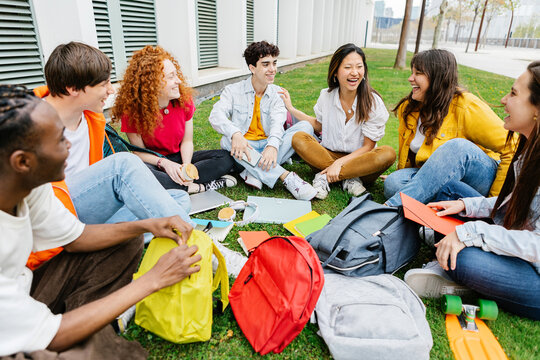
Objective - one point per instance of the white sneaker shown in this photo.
(354, 186)
(320, 183)
(432, 282)
(234, 260)
(300, 189)
(224, 181)
(251, 180)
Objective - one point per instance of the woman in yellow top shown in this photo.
(451, 144)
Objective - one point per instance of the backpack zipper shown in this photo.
(310, 276)
(367, 262)
(250, 276)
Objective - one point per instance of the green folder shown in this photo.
(312, 225)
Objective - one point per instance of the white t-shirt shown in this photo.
(79, 153)
(418, 140)
(42, 222)
(341, 136)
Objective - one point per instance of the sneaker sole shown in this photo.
(432, 285)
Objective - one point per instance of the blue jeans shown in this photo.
(456, 160)
(512, 282)
(455, 190)
(285, 151)
(121, 188)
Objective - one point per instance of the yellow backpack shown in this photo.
(182, 313)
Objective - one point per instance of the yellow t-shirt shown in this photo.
(256, 131)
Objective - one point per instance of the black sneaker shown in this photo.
(224, 181)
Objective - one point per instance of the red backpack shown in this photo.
(276, 291)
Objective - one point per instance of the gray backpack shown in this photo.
(374, 317)
(366, 238)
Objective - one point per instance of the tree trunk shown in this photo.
(447, 31)
(420, 25)
(480, 28)
(484, 38)
(510, 27)
(401, 56)
(472, 26)
(458, 31)
(440, 19)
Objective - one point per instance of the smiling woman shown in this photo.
(156, 108)
(446, 135)
(499, 260)
(352, 118)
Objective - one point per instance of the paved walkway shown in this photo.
(510, 61)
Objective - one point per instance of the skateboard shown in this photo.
(469, 337)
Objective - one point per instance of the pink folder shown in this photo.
(416, 211)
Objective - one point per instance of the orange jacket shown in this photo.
(96, 132)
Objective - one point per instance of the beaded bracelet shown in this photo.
(159, 164)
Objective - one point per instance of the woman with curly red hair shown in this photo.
(156, 108)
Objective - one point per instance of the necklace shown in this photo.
(344, 105)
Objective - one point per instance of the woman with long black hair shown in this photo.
(352, 117)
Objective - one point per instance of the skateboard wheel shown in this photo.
(488, 309)
(452, 304)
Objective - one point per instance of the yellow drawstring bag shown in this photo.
(182, 313)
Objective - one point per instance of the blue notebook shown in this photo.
(277, 210)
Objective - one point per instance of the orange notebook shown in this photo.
(416, 211)
(249, 240)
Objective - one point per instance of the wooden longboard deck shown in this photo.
(472, 345)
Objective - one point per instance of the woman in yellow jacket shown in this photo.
(451, 144)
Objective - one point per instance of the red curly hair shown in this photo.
(143, 80)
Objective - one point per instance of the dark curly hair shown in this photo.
(16, 126)
(143, 80)
(257, 50)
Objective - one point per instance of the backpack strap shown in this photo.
(221, 277)
(109, 130)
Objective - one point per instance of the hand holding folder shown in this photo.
(422, 214)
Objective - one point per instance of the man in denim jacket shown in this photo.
(250, 116)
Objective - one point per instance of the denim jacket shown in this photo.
(234, 111)
(524, 244)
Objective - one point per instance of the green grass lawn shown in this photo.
(519, 337)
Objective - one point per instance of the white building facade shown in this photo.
(207, 37)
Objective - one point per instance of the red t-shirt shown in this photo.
(169, 134)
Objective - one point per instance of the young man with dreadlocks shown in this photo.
(69, 301)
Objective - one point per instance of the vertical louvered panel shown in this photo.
(277, 23)
(20, 55)
(139, 24)
(207, 33)
(103, 29)
(250, 24)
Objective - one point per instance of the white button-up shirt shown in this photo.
(347, 136)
